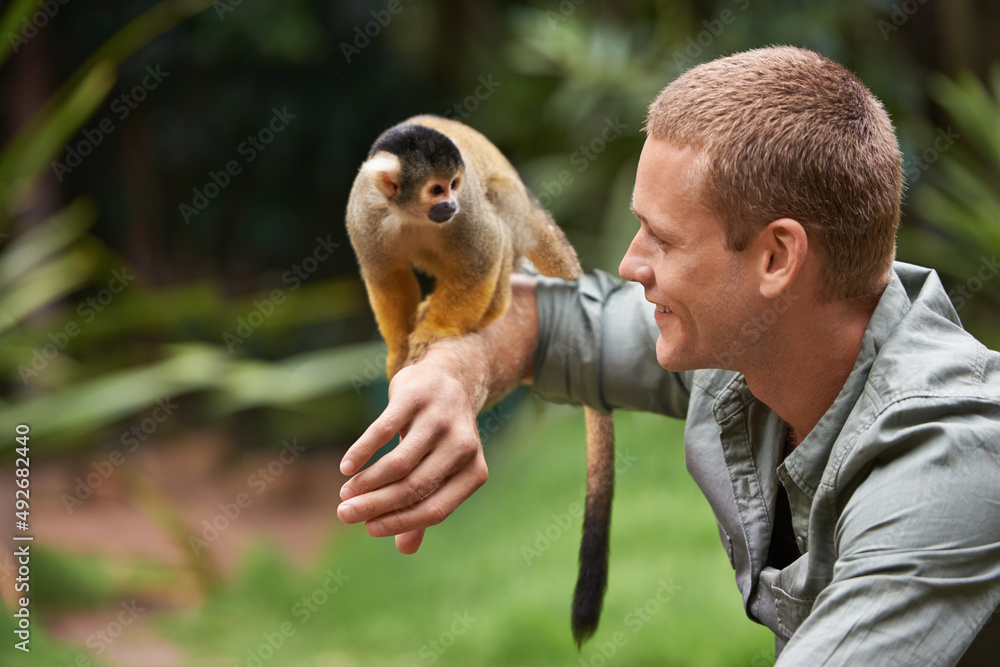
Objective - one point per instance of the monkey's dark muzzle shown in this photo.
(442, 212)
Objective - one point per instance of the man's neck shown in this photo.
(803, 379)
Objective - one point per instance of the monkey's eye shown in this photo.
(437, 190)
(454, 184)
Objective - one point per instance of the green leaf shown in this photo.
(41, 139)
(43, 240)
(47, 283)
(75, 101)
(12, 23)
(66, 416)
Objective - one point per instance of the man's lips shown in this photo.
(659, 307)
(661, 312)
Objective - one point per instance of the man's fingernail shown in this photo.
(375, 529)
(347, 466)
(346, 513)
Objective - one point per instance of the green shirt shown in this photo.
(894, 495)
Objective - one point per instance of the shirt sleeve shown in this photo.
(597, 347)
(917, 569)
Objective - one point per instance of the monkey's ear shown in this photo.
(384, 170)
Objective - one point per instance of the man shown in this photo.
(843, 426)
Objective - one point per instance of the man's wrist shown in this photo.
(466, 362)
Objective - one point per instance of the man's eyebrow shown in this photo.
(638, 214)
(659, 231)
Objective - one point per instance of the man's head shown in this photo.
(787, 155)
(789, 133)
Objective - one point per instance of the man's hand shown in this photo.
(439, 460)
(433, 406)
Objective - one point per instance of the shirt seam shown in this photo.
(849, 445)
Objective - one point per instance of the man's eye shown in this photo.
(656, 238)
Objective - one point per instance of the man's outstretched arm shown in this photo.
(433, 405)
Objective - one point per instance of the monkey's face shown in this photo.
(413, 189)
(419, 170)
(439, 196)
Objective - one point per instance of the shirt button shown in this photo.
(801, 544)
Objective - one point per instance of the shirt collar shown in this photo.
(908, 285)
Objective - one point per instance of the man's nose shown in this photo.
(634, 266)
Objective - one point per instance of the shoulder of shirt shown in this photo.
(927, 353)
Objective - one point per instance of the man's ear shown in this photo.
(782, 247)
(384, 170)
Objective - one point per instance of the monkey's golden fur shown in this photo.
(471, 257)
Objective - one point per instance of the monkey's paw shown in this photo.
(393, 362)
(419, 345)
(424, 337)
(421, 314)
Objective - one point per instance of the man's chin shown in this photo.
(675, 359)
(672, 358)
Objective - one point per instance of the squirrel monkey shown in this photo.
(439, 196)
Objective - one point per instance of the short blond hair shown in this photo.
(789, 133)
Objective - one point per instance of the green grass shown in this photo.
(397, 610)
(470, 596)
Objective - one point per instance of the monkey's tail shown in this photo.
(588, 599)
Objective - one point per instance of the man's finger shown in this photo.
(388, 424)
(420, 480)
(433, 509)
(408, 543)
(394, 466)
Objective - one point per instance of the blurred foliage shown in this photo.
(562, 88)
(56, 257)
(960, 201)
(364, 604)
(111, 297)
